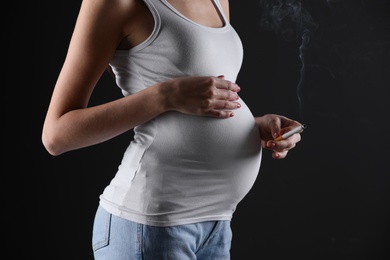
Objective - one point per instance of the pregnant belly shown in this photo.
(218, 155)
(207, 139)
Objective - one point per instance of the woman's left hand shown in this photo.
(272, 126)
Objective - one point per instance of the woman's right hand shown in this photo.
(203, 96)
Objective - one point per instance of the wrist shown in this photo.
(165, 95)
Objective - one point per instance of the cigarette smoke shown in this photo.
(292, 21)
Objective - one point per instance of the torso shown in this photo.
(181, 168)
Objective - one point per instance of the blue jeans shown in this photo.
(115, 238)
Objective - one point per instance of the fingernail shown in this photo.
(271, 144)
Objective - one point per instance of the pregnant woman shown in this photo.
(197, 148)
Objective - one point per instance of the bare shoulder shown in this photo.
(119, 7)
(123, 21)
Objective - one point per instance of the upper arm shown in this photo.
(100, 26)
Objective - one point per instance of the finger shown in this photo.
(220, 113)
(224, 94)
(224, 105)
(279, 155)
(295, 138)
(226, 84)
(227, 95)
(219, 108)
(284, 145)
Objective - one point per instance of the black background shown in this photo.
(329, 199)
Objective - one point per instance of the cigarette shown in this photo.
(290, 133)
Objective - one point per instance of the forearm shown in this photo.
(84, 127)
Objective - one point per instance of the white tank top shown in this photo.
(180, 168)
